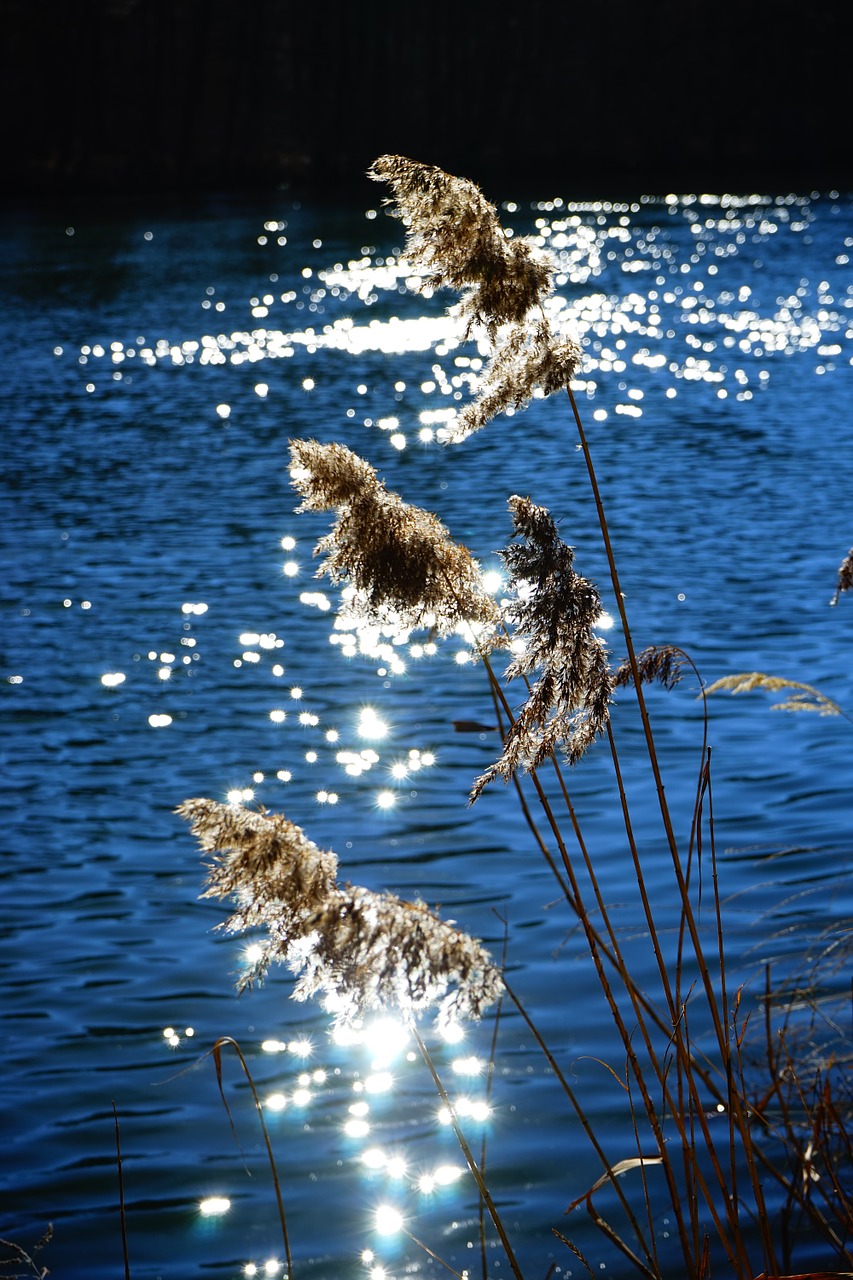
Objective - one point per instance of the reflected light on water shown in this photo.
(388, 1220)
(453, 1033)
(379, 1082)
(371, 724)
(467, 1066)
(444, 1176)
(214, 1206)
(240, 795)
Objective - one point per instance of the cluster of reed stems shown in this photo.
(698, 1142)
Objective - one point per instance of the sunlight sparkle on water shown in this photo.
(371, 724)
(453, 1033)
(214, 1206)
(379, 1082)
(467, 1066)
(240, 795)
(388, 1220)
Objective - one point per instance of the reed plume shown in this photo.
(845, 576)
(454, 234)
(660, 663)
(807, 699)
(530, 359)
(554, 613)
(361, 950)
(406, 569)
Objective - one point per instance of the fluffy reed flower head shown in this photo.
(456, 236)
(275, 875)
(530, 358)
(806, 697)
(406, 569)
(660, 663)
(845, 577)
(373, 950)
(555, 613)
(361, 950)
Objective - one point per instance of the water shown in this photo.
(156, 364)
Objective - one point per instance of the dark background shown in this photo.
(606, 98)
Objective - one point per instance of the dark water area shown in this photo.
(163, 638)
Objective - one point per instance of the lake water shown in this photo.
(156, 363)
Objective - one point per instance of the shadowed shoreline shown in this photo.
(160, 96)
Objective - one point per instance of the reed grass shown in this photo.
(703, 1136)
(19, 1262)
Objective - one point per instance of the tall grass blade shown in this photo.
(225, 1042)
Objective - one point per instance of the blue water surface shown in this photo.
(156, 364)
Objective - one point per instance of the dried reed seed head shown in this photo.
(845, 577)
(375, 950)
(662, 663)
(528, 359)
(556, 603)
(407, 570)
(455, 235)
(329, 476)
(361, 949)
(554, 615)
(263, 855)
(808, 698)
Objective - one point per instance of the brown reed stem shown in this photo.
(698, 952)
(121, 1205)
(580, 1113)
(219, 1045)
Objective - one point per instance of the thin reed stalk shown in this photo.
(225, 1042)
(121, 1204)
